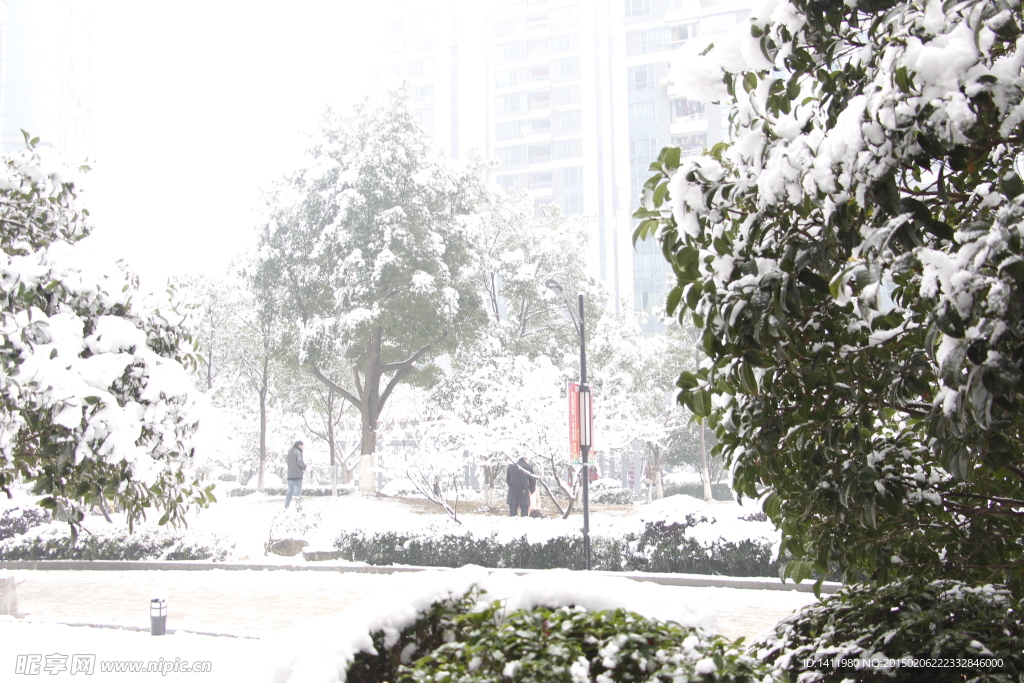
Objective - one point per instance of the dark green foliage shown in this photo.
(468, 640)
(659, 548)
(18, 520)
(863, 310)
(913, 618)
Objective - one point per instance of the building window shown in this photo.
(567, 149)
(637, 8)
(642, 114)
(512, 156)
(507, 27)
(540, 99)
(538, 48)
(426, 117)
(506, 79)
(654, 40)
(509, 182)
(566, 68)
(688, 110)
(514, 4)
(538, 73)
(539, 125)
(506, 104)
(572, 204)
(565, 16)
(541, 181)
(568, 94)
(692, 144)
(540, 154)
(565, 42)
(422, 93)
(415, 68)
(568, 121)
(572, 176)
(507, 130)
(420, 43)
(512, 52)
(643, 152)
(682, 33)
(536, 22)
(641, 77)
(420, 19)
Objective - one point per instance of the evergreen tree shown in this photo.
(854, 258)
(369, 244)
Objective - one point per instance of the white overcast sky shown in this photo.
(197, 105)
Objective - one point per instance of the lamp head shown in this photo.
(554, 287)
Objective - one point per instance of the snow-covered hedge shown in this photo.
(104, 541)
(966, 633)
(242, 491)
(608, 492)
(696, 489)
(679, 535)
(471, 625)
(18, 519)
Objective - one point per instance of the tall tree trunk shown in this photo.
(659, 491)
(330, 441)
(263, 439)
(705, 473)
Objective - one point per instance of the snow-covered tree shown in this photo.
(368, 243)
(855, 259)
(94, 402)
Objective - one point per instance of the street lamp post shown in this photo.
(586, 406)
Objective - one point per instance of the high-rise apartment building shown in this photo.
(45, 85)
(567, 96)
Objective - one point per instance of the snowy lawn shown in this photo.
(312, 619)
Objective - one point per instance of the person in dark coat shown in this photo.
(521, 483)
(296, 468)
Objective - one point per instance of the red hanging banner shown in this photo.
(574, 423)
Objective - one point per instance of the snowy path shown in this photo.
(260, 603)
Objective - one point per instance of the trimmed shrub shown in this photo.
(312, 491)
(53, 542)
(696, 490)
(17, 520)
(471, 640)
(660, 547)
(664, 547)
(609, 492)
(861, 631)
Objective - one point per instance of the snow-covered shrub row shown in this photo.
(18, 519)
(680, 535)
(104, 541)
(696, 489)
(939, 621)
(242, 491)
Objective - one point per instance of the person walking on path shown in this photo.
(521, 483)
(296, 468)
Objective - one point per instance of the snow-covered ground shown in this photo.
(290, 618)
(292, 613)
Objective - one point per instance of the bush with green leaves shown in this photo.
(909, 619)
(659, 547)
(19, 519)
(856, 261)
(102, 541)
(474, 640)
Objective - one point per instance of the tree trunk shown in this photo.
(491, 473)
(705, 473)
(330, 441)
(659, 491)
(263, 439)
